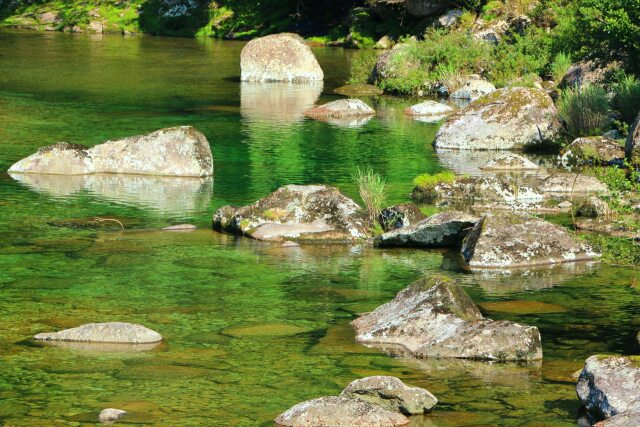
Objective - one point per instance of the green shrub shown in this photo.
(362, 67)
(584, 111)
(626, 98)
(427, 180)
(372, 188)
(559, 67)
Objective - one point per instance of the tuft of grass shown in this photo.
(427, 181)
(559, 67)
(585, 111)
(372, 188)
(626, 98)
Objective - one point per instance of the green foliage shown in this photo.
(362, 66)
(616, 250)
(617, 179)
(372, 188)
(584, 111)
(559, 67)
(426, 181)
(626, 99)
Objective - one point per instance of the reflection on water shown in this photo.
(279, 102)
(167, 195)
(469, 162)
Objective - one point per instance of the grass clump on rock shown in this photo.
(425, 184)
(585, 111)
(372, 188)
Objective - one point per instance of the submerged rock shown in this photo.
(446, 229)
(473, 89)
(434, 317)
(180, 227)
(433, 110)
(279, 57)
(511, 118)
(339, 412)
(510, 162)
(610, 385)
(392, 394)
(298, 213)
(340, 109)
(595, 149)
(110, 415)
(399, 216)
(179, 151)
(111, 332)
(359, 90)
(507, 240)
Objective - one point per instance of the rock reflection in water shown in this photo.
(167, 195)
(280, 102)
(469, 162)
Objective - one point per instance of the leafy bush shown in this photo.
(626, 99)
(584, 111)
(559, 67)
(372, 188)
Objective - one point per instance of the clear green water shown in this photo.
(250, 328)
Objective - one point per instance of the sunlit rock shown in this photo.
(592, 150)
(507, 240)
(110, 415)
(297, 213)
(473, 89)
(434, 317)
(111, 332)
(429, 111)
(180, 151)
(280, 102)
(279, 58)
(510, 162)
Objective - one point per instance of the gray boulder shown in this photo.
(111, 415)
(279, 57)
(508, 240)
(337, 411)
(586, 73)
(511, 118)
(434, 317)
(510, 162)
(392, 394)
(610, 385)
(632, 146)
(450, 19)
(626, 419)
(180, 151)
(473, 89)
(298, 213)
(594, 150)
(399, 216)
(446, 229)
(111, 332)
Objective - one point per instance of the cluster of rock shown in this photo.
(179, 151)
(368, 402)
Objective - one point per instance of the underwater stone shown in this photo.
(111, 332)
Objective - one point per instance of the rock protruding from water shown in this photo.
(508, 240)
(510, 162)
(446, 229)
(342, 108)
(399, 216)
(434, 317)
(610, 385)
(111, 415)
(392, 394)
(279, 58)
(473, 89)
(594, 150)
(511, 118)
(298, 213)
(111, 332)
(179, 151)
(339, 412)
(433, 110)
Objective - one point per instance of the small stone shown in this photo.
(110, 415)
(436, 110)
(180, 227)
(112, 332)
(340, 109)
(392, 394)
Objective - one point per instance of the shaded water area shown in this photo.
(251, 328)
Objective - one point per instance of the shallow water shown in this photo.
(250, 328)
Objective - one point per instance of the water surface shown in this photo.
(250, 328)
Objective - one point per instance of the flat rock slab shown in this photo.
(610, 385)
(392, 394)
(112, 332)
(179, 151)
(446, 229)
(279, 58)
(337, 411)
(296, 213)
(506, 119)
(508, 240)
(434, 317)
(180, 227)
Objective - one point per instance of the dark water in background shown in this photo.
(251, 328)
